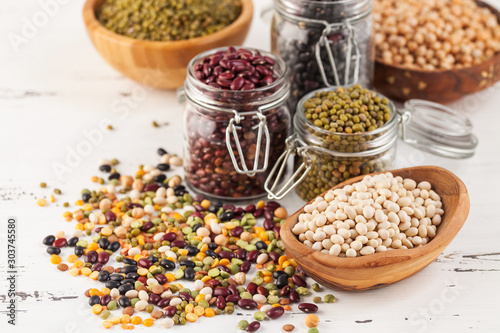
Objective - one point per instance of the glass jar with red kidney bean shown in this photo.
(323, 43)
(236, 121)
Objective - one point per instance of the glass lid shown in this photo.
(437, 129)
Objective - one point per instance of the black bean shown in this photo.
(114, 246)
(105, 168)
(79, 250)
(212, 254)
(128, 269)
(167, 264)
(53, 250)
(161, 151)
(159, 178)
(103, 276)
(124, 301)
(163, 167)
(133, 276)
(187, 263)
(93, 300)
(72, 241)
(114, 175)
(282, 281)
(124, 288)
(112, 284)
(189, 273)
(192, 250)
(86, 197)
(116, 277)
(226, 216)
(261, 245)
(49, 240)
(129, 261)
(103, 243)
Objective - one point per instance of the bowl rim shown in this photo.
(494, 58)
(439, 242)
(90, 19)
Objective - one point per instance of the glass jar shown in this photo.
(324, 43)
(232, 136)
(324, 159)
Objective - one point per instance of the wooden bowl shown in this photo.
(400, 83)
(383, 268)
(159, 64)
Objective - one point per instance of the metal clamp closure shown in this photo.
(352, 44)
(232, 129)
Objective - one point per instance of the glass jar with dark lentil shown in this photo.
(323, 43)
(327, 153)
(236, 121)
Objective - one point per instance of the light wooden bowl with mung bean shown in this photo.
(383, 268)
(159, 64)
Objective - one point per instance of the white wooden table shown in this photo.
(56, 91)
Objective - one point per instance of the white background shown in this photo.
(55, 89)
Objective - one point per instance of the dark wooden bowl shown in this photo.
(402, 84)
(383, 268)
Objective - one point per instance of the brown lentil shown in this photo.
(62, 267)
(288, 327)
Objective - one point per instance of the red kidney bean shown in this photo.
(178, 243)
(299, 281)
(236, 232)
(274, 256)
(263, 291)
(248, 304)
(105, 299)
(161, 278)
(258, 212)
(232, 288)
(169, 236)
(60, 242)
(221, 291)
(276, 312)
(110, 216)
(151, 187)
(252, 288)
(308, 307)
(146, 226)
(268, 224)
(212, 283)
(285, 291)
(97, 266)
(184, 296)
(273, 205)
(253, 326)
(268, 214)
(276, 229)
(143, 262)
(237, 83)
(223, 268)
(164, 302)
(245, 267)
(226, 255)
(233, 298)
(252, 255)
(103, 257)
(154, 298)
(250, 209)
(294, 296)
(142, 279)
(220, 303)
(170, 311)
(91, 257)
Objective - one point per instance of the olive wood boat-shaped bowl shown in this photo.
(156, 63)
(383, 268)
(401, 83)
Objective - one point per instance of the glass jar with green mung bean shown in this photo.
(340, 133)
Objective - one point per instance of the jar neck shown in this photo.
(223, 100)
(326, 10)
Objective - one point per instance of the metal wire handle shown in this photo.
(232, 128)
(351, 43)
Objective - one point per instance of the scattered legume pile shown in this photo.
(434, 35)
(379, 213)
(341, 120)
(210, 245)
(351, 110)
(165, 20)
(234, 69)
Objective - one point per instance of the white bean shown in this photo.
(367, 250)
